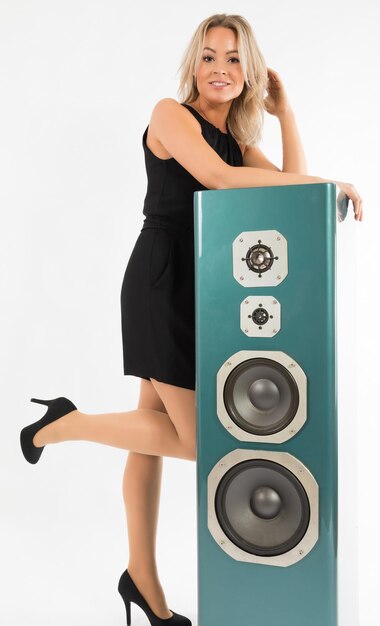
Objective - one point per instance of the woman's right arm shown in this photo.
(180, 133)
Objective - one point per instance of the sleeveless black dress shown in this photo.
(157, 293)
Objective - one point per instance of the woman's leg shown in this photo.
(147, 431)
(141, 492)
(170, 431)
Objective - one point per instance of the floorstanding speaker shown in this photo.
(276, 441)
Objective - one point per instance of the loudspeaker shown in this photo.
(267, 405)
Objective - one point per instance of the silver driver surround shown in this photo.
(303, 476)
(260, 316)
(260, 258)
(294, 395)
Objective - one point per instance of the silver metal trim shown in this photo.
(272, 277)
(271, 327)
(297, 372)
(306, 479)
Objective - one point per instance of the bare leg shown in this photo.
(147, 431)
(141, 492)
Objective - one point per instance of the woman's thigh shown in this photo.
(149, 398)
(179, 404)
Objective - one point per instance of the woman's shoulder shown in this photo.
(168, 110)
(168, 104)
(171, 106)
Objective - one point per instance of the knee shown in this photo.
(191, 452)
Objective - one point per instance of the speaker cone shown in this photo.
(261, 396)
(262, 507)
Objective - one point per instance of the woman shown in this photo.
(206, 141)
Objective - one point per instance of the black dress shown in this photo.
(157, 294)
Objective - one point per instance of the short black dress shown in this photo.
(157, 294)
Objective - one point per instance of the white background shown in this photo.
(78, 82)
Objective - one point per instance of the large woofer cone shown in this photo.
(261, 396)
(262, 507)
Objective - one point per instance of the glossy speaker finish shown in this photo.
(254, 511)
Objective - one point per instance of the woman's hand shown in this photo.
(352, 195)
(277, 102)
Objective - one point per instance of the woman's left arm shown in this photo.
(293, 156)
(277, 103)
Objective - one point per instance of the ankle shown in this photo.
(69, 426)
(143, 572)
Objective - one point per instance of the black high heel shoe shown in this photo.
(130, 593)
(57, 408)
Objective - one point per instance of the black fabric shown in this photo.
(157, 294)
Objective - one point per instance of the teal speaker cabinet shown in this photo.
(272, 550)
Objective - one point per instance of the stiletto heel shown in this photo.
(130, 593)
(47, 402)
(128, 609)
(56, 408)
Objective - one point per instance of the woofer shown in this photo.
(262, 507)
(261, 396)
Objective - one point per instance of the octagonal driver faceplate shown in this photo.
(260, 258)
(260, 316)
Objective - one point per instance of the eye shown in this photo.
(230, 59)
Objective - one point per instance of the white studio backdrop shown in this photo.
(78, 82)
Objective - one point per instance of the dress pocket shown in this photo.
(160, 255)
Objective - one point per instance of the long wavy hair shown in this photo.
(246, 115)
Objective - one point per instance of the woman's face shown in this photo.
(220, 61)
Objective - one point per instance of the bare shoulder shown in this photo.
(167, 102)
(169, 108)
(167, 112)
(174, 132)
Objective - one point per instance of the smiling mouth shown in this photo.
(219, 83)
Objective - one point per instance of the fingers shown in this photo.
(359, 210)
(357, 201)
(273, 74)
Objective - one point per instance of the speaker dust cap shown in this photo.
(261, 396)
(263, 507)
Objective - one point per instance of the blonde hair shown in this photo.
(246, 115)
